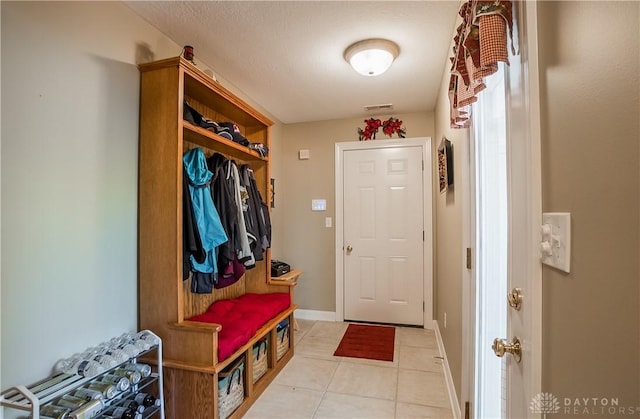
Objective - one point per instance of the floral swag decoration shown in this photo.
(389, 127)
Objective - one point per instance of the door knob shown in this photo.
(515, 299)
(349, 248)
(500, 347)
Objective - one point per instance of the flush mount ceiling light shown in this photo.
(371, 57)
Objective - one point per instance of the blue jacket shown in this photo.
(206, 217)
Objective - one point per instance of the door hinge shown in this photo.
(467, 408)
(423, 165)
(422, 235)
(468, 258)
(423, 306)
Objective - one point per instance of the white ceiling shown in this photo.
(287, 55)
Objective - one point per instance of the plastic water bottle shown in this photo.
(149, 337)
(107, 361)
(118, 354)
(85, 368)
(129, 349)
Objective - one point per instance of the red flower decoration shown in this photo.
(389, 127)
(370, 130)
(393, 125)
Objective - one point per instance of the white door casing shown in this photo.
(383, 295)
(525, 216)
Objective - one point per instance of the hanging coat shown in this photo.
(230, 270)
(245, 255)
(257, 215)
(207, 219)
(191, 242)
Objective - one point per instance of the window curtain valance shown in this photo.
(480, 43)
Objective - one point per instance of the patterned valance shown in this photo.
(480, 43)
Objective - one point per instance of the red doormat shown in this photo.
(370, 342)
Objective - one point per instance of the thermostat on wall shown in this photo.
(318, 205)
(304, 155)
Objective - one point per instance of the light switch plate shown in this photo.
(557, 240)
(318, 205)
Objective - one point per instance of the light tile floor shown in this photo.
(316, 384)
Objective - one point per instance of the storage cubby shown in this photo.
(191, 365)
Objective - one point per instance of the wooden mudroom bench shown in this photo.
(166, 304)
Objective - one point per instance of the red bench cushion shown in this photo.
(241, 317)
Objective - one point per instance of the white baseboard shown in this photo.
(327, 316)
(453, 397)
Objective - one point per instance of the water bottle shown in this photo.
(107, 361)
(118, 354)
(141, 345)
(129, 349)
(65, 364)
(85, 368)
(149, 337)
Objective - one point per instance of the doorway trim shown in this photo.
(427, 184)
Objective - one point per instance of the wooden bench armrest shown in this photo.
(189, 324)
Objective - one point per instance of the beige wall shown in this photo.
(449, 238)
(70, 90)
(70, 94)
(307, 243)
(590, 69)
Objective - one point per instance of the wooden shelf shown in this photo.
(210, 140)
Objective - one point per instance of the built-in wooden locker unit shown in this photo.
(190, 361)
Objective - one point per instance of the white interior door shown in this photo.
(525, 219)
(383, 228)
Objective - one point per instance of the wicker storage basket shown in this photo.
(260, 358)
(230, 389)
(283, 338)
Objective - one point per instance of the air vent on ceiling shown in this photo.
(378, 107)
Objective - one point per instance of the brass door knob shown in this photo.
(349, 248)
(500, 347)
(515, 299)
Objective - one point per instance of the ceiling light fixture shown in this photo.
(371, 57)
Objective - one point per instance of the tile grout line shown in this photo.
(324, 393)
